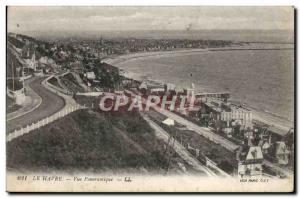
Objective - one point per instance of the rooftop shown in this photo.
(254, 153)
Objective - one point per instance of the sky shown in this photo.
(85, 19)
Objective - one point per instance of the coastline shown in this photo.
(252, 46)
(269, 118)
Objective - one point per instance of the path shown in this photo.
(32, 101)
(51, 103)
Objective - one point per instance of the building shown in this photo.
(217, 110)
(189, 92)
(250, 165)
(30, 62)
(228, 131)
(265, 146)
(157, 90)
(90, 75)
(220, 96)
(28, 54)
(249, 135)
(126, 82)
(237, 113)
(143, 86)
(282, 153)
(151, 88)
(169, 122)
(47, 61)
(169, 87)
(77, 67)
(110, 69)
(90, 78)
(17, 93)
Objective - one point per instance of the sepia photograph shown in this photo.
(150, 99)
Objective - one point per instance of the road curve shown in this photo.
(51, 103)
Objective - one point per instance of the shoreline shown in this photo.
(115, 59)
(269, 118)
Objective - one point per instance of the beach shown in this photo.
(275, 111)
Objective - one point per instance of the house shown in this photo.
(211, 110)
(15, 90)
(130, 83)
(264, 143)
(189, 92)
(282, 153)
(251, 164)
(157, 90)
(90, 75)
(219, 110)
(169, 87)
(47, 69)
(27, 50)
(226, 128)
(227, 131)
(234, 112)
(169, 122)
(47, 61)
(89, 78)
(143, 86)
(249, 134)
(265, 147)
(30, 59)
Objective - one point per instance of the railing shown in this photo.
(24, 130)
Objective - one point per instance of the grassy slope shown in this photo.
(91, 141)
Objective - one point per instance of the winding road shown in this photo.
(51, 103)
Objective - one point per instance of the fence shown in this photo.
(24, 130)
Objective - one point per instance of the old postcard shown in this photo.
(150, 99)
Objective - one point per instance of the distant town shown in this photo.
(63, 80)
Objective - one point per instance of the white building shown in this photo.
(31, 62)
(17, 95)
(190, 92)
(157, 90)
(90, 75)
(170, 87)
(251, 166)
(47, 61)
(169, 122)
(241, 114)
(282, 153)
(143, 85)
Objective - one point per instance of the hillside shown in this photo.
(92, 141)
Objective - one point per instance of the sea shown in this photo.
(261, 77)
